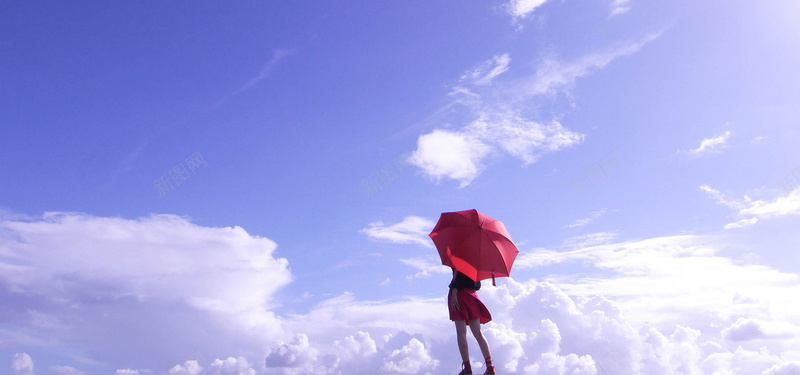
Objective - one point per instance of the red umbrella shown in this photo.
(474, 244)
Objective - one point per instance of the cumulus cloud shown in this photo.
(230, 366)
(455, 155)
(711, 145)
(379, 318)
(410, 359)
(663, 305)
(118, 283)
(752, 211)
(22, 364)
(356, 354)
(296, 355)
(413, 229)
(191, 367)
(743, 329)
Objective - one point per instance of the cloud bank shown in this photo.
(663, 305)
(147, 290)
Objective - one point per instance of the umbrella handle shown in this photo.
(493, 283)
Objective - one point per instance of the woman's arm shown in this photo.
(454, 298)
(453, 292)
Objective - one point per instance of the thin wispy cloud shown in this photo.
(411, 230)
(426, 266)
(500, 125)
(553, 75)
(588, 240)
(619, 7)
(484, 74)
(592, 216)
(752, 211)
(711, 145)
(264, 72)
(277, 56)
(720, 198)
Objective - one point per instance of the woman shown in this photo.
(467, 309)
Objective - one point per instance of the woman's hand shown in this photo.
(454, 298)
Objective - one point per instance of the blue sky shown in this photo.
(209, 188)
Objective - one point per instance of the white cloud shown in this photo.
(230, 366)
(410, 359)
(22, 364)
(753, 328)
(782, 206)
(413, 229)
(116, 283)
(553, 75)
(265, 71)
(651, 277)
(754, 211)
(296, 355)
(454, 155)
(711, 145)
(522, 138)
(592, 216)
(426, 266)
(743, 329)
(67, 370)
(497, 116)
(519, 9)
(356, 347)
(719, 198)
(620, 7)
(460, 155)
(664, 305)
(376, 317)
(587, 240)
(487, 71)
(742, 223)
(191, 367)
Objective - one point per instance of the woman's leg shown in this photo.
(461, 338)
(475, 326)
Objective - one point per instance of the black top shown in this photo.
(461, 281)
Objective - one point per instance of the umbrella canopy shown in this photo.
(474, 244)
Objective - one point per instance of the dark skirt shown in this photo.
(469, 307)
